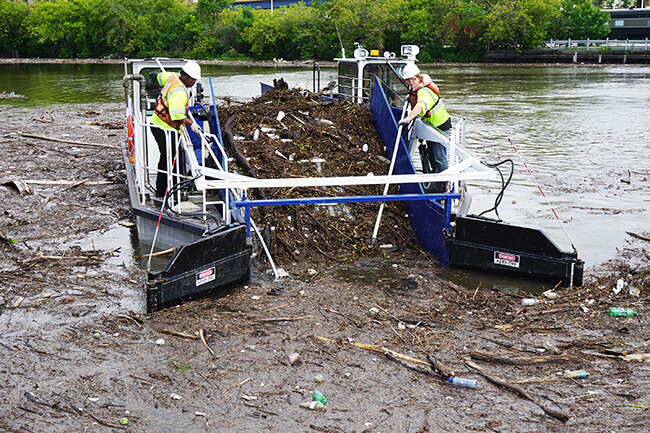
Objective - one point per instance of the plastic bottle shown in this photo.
(314, 405)
(621, 312)
(459, 381)
(575, 374)
(550, 294)
(619, 286)
(527, 302)
(318, 396)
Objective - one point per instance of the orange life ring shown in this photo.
(130, 135)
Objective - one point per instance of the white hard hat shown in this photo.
(192, 69)
(410, 71)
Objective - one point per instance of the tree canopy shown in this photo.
(444, 29)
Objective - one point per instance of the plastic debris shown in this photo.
(293, 357)
(619, 286)
(318, 396)
(314, 405)
(124, 421)
(527, 302)
(575, 374)
(621, 312)
(550, 294)
(160, 342)
(459, 381)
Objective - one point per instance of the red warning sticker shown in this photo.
(506, 259)
(205, 276)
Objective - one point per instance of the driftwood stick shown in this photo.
(517, 390)
(344, 316)
(71, 410)
(420, 370)
(131, 318)
(202, 334)
(159, 253)
(283, 319)
(34, 399)
(141, 379)
(373, 348)
(645, 238)
(440, 367)
(178, 334)
(520, 360)
(74, 143)
(76, 184)
(65, 182)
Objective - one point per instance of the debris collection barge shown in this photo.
(206, 214)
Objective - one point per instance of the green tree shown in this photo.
(364, 21)
(580, 19)
(13, 34)
(289, 33)
(72, 28)
(202, 28)
(96, 28)
(233, 24)
(519, 23)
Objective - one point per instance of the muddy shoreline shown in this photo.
(78, 354)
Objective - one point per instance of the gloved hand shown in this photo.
(402, 122)
(195, 128)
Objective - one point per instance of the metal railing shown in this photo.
(599, 44)
(193, 170)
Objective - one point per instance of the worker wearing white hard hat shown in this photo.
(425, 101)
(410, 71)
(192, 70)
(172, 105)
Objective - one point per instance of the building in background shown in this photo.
(267, 4)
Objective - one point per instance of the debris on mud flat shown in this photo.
(377, 343)
(292, 133)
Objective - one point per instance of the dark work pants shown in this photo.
(161, 178)
(434, 160)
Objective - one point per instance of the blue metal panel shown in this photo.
(343, 199)
(429, 218)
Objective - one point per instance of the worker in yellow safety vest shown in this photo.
(170, 114)
(425, 102)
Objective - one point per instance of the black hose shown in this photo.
(504, 185)
(169, 211)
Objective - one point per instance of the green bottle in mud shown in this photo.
(318, 396)
(621, 312)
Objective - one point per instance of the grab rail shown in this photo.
(596, 44)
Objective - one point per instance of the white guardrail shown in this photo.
(597, 44)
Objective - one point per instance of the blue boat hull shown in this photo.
(429, 218)
(473, 242)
